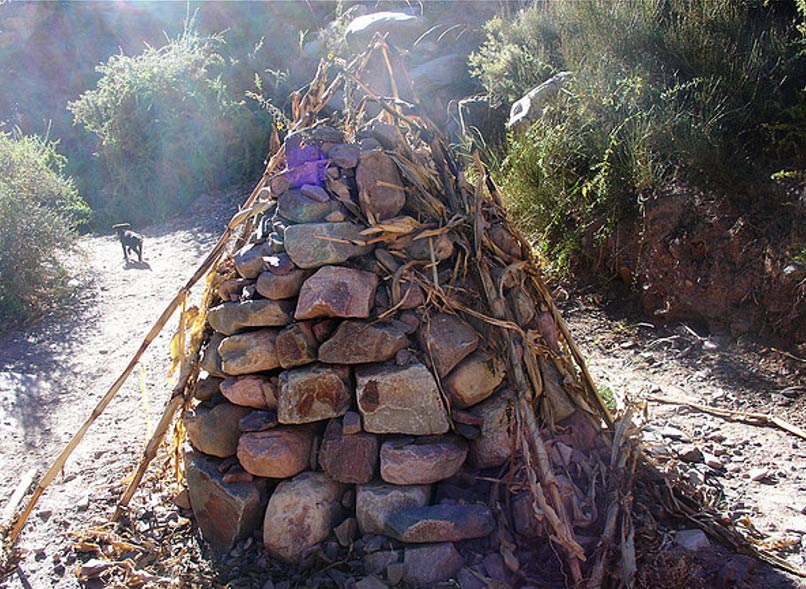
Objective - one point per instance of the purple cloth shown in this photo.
(313, 172)
(297, 152)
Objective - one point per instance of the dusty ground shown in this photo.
(631, 358)
(53, 372)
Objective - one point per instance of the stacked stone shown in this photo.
(320, 405)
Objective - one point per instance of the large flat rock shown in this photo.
(447, 340)
(474, 379)
(301, 513)
(313, 393)
(440, 523)
(335, 291)
(400, 400)
(245, 353)
(230, 318)
(376, 502)
(278, 453)
(422, 460)
(321, 244)
(214, 430)
(225, 513)
(348, 458)
(364, 342)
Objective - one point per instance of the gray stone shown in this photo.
(211, 359)
(348, 458)
(377, 502)
(400, 400)
(380, 188)
(296, 345)
(689, 453)
(280, 286)
(422, 460)
(440, 523)
(321, 244)
(224, 513)
(300, 514)
(370, 582)
(315, 192)
(336, 291)
(313, 393)
(258, 421)
(447, 340)
(206, 387)
(250, 352)
(344, 155)
(299, 208)
(492, 447)
(250, 259)
(438, 73)
(278, 453)
(215, 430)
(346, 531)
(402, 28)
(432, 563)
(474, 379)
(693, 540)
(376, 562)
(253, 391)
(362, 342)
(351, 423)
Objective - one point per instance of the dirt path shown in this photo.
(754, 475)
(54, 372)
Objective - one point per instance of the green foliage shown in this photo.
(168, 128)
(658, 88)
(40, 210)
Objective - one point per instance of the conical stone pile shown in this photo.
(357, 381)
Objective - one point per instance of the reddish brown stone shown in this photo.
(229, 318)
(280, 286)
(215, 430)
(423, 460)
(250, 391)
(376, 502)
(250, 352)
(440, 523)
(362, 342)
(493, 446)
(313, 393)
(431, 563)
(474, 379)
(400, 400)
(301, 513)
(335, 291)
(447, 340)
(225, 513)
(348, 458)
(296, 345)
(380, 188)
(277, 453)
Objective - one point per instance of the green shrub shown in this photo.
(659, 89)
(40, 210)
(168, 128)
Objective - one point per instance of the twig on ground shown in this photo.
(760, 419)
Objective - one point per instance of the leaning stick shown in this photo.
(155, 330)
(760, 419)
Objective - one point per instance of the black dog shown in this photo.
(130, 241)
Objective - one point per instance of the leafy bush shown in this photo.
(40, 210)
(168, 128)
(659, 88)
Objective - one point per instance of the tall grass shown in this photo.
(168, 128)
(660, 88)
(40, 210)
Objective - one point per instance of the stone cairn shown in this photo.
(386, 367)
